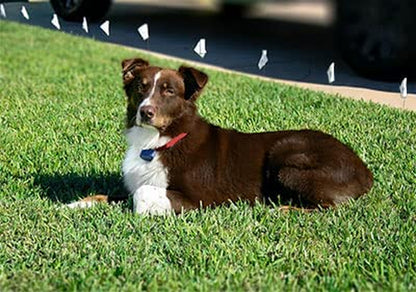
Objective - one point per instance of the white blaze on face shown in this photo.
(147, 101)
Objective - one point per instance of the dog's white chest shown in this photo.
(137, 171)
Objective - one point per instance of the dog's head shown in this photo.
(159, 97)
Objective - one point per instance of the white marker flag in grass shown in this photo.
(2, 11)
(403, 88)
(105, 27)
(331, 73)
(144, 31)
(55, 21)
(200, 48)
(85, 24)
(24, 12)
(263, 59)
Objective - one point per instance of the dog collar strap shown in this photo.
(172, 142)
(149, 154)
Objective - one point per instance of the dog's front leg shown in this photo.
(159, 201)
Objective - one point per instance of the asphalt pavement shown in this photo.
(299, 48)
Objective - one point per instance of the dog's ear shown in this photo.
(131, 68)
(194, 81)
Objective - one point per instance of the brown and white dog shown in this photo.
(177, 161)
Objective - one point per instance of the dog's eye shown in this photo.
(143, 84)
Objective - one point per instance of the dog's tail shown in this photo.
(89, 201)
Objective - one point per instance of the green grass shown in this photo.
(61, 126)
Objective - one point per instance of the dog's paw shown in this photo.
(151, 200)
(80, 205)
(88, 202)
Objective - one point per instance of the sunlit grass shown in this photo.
(61, 138)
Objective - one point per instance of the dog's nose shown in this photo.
(147, 112)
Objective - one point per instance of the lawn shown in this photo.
(61, 138)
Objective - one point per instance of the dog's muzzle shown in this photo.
(147, 113)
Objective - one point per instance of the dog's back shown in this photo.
(214, 166)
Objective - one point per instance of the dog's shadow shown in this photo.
(65, 188)
(70, 187)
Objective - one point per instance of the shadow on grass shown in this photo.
(66, 188)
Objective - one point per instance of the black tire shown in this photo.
(233, 10)
(377, 37)
(75, 10)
